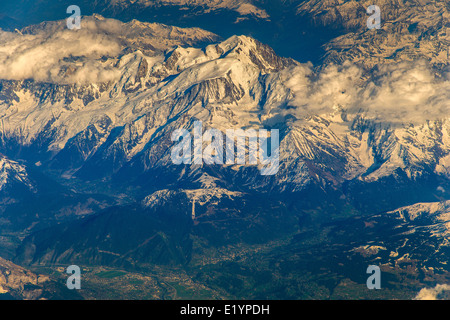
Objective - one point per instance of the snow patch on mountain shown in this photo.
(410, 31)
(440, 211)
(199, 196)
(13, 171)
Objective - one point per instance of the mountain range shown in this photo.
(86, 175)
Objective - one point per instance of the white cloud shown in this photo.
(396, 93)
(432, 293)
(43, 55)
(407, 92)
